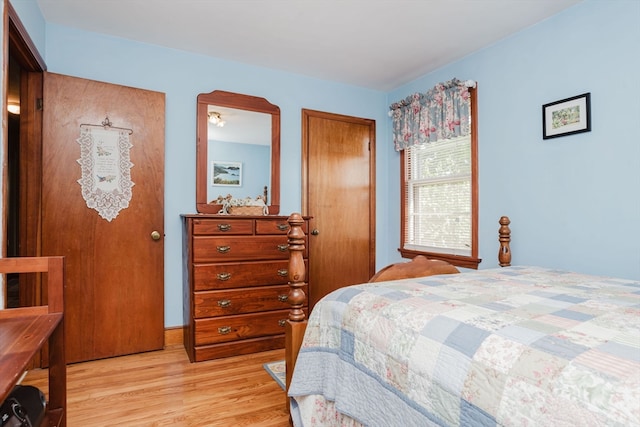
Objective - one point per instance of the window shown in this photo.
(439, 198)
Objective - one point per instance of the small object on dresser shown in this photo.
(245, 210)
(246, 206)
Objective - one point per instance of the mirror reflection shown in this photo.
(239, 153)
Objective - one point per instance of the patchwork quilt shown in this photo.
(515, 346)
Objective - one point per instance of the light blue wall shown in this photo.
(33, 21)
(182, 76)
(574, 201)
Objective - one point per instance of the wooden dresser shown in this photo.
(235, 284)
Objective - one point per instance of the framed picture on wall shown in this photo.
(567, 116)
(225, 173)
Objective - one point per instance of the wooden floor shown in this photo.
(163, 388)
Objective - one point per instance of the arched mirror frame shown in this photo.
(241, 102)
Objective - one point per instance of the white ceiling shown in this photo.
(379, 44)
(241, 126)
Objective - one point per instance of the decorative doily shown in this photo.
(106, 170)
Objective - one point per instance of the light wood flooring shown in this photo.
(163, 388)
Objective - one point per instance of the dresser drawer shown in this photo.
(239, 275)
(235, 348)
(230, 328)
(220, 249)
(275, 226)
(272, 226)
(222, 226)
(238, 301)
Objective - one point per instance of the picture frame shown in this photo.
(567, 116)
(226, 174)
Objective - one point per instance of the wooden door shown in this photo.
(114, 272)
(338, 173)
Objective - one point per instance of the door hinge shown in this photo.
(39, 104)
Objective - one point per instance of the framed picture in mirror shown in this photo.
(228, 174)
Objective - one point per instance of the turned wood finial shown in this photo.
(296, 268)
(504, 256)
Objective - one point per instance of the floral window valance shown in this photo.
(441, 113)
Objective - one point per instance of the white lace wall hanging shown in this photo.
(106, 168)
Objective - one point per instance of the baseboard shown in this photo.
(173, 336)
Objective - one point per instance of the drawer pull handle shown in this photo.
(224, 227)
(224, 303)
(282, 322)
(283, 247)
(223, 276)
(283, 272)
(223, 249)
(283, 227)
(283, 297)
(224, 330)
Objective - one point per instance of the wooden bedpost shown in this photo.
(504, 256)
(297, 322)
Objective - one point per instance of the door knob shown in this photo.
(315, 232)
(155, 235)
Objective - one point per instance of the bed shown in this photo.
(511, 346)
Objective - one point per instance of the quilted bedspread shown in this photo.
(516, 346)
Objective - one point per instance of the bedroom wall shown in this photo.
(182, 76)
(574, 201)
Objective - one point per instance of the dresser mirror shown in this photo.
(238, 150)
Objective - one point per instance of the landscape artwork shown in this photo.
(226, 173)
(567, 117)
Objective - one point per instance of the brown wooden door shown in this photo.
(338, 173)
(114, 272)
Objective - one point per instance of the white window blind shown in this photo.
(438, 209)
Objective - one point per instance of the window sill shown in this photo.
(457, 260)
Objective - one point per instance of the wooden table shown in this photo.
(25, 331)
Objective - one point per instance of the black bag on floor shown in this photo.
(24, 407)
